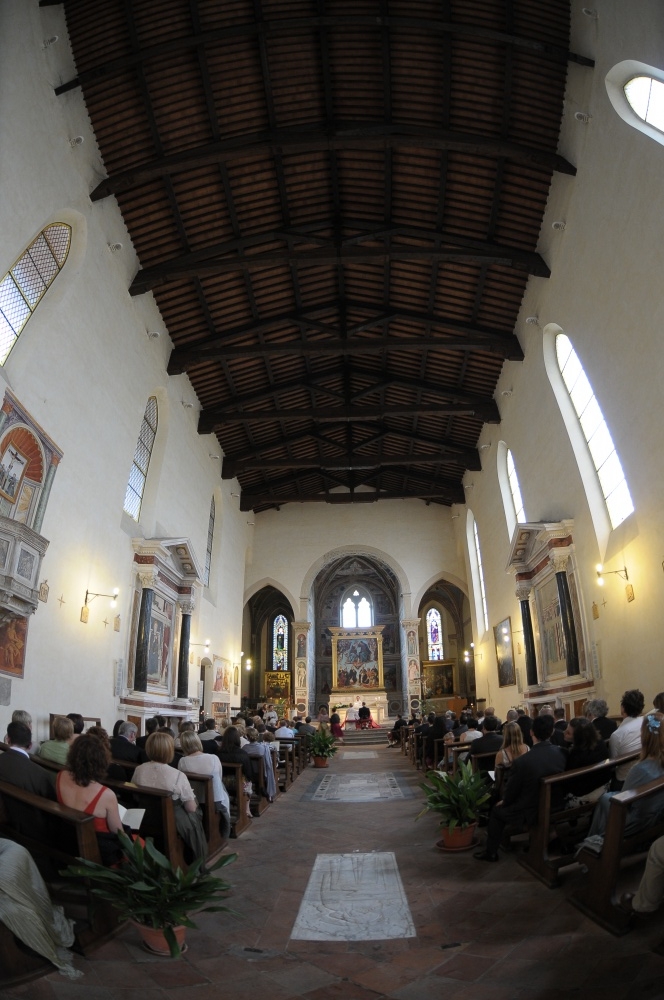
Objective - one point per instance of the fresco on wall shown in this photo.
(160, 643)
(13, 637)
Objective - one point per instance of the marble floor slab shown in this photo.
(354, 897)
(358, 754)
(358, 788)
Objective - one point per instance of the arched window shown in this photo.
(509, 488)
(26, 283)
(645, 96)
(356, 610)
(636, 92)
(434, 634)
(139, 468)
(210, 539)
(476, 573)
(280, 643)
(598, 438)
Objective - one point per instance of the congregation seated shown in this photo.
(184, 726)
(511, 748)
(78, 722)
(79, 786)
(649, 766)
(195, 761)
(255, 748)
(57, 749)
(472, 732)
(20, 715)
(123, 744)
(627, 737)
(304, 728)
(151, 726)
(158, 773)
(16, 768)
(230, 751)
(586, 749)
(394, 735)
(596, 709)
(284, 731)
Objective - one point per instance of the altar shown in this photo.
(357, 673)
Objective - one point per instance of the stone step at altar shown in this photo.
(366, 737)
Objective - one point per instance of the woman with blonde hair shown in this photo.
(512, 748)
(195, 761)
(256, 748)
(57, 749)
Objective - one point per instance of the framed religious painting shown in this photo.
(160, 643)
(357, 659)
(437, 678)
(502, 637)
(13, 637)
(277, 685)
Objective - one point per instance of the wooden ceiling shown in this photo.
(336, 204)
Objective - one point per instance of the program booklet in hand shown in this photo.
(131, 817)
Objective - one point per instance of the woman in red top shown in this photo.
(79, 787)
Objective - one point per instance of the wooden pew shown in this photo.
(285, 765)
(89, 720)
(67, 834)
(541, 859)
(18, 963)
(259, 801)
(234, 781)
(202, 786)
(598, 897)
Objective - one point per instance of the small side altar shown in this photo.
(357, 669)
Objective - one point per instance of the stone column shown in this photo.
(559, 563)
(303, 669)
(410, 663)
(148, 579)
(523, 595)
(186, 608)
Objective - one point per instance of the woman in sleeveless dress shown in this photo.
(513, 747)
(79, 787)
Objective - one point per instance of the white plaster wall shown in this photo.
(604, 292)
(291, 545)
(84, 368)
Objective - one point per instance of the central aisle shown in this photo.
(429, 926)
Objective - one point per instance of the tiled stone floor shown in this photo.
(490, 932)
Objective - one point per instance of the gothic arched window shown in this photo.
(356, 609)
(26, 283)
(139, 467)
(434, 634)
(476, 573)
(280, 643)
(636, 92)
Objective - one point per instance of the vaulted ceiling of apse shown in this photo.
(336, 204)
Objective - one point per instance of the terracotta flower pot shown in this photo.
(457, 839)
(320, 761)
(155, 942)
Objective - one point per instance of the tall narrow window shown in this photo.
(139, 468)
(514, 489)
(356, 609)
(645, 96)
(280, 643)
(476, 573)
(210, 539)
(434, 634)
(598, 438)
(26, 283)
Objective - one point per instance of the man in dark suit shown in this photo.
(525, 724)
(123, 746)
(16, 768)
(520, 802)
(151, 726)
(489, 742)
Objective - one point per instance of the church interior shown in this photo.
(325, 330)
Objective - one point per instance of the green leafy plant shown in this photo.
(322, 744)
(146, 887)
(457, 798)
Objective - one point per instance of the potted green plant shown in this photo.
(157, 897)
(322, 746)
(458, 800)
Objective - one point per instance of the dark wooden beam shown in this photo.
(160, 274)
(184, 358)
(508, 348)
(287, 26)
(350, 136)
(386, 381)
(232, 467)
(341, 414)
(211, 416)
(449, 495)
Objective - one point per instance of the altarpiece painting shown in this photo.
(357, 659)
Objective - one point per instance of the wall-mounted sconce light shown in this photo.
(601, 573)
(247, 665)
(532, 320)
(90, 596)
(206, 644)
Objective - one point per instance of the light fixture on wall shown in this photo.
(90, 596)
(235, 495)
(506, 392)
(583, 117)
(590, 12)
(46, 44)
(251, 522)
(186, 404)
(247, 665)
(532, 320)
(78, 140)
(206, 644)
(601, 573)
(215, 458)
(559, 225)
(483, 447)
(153, 334)
(114, 247)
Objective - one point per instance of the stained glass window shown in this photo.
(598, 437)
(26, 283)
(434, 634)
(356, 611)
(139, 468)
(210, 539)
(280, 643)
